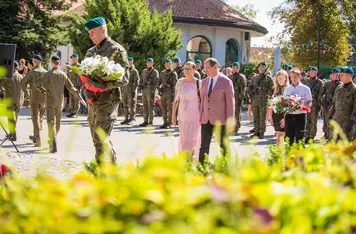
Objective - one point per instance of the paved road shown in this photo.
(130, 142)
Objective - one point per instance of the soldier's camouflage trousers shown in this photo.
(102, 115)
(238, 104)
(312, 121)
(259, 107)
(148, 99)
(167, 102)
(54, 115)
(326, 124)
(37, 111)
(15, 109)
(73, 104)
(129, 102)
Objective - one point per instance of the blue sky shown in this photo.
(263, 7)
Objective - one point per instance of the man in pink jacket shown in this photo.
(217, 107)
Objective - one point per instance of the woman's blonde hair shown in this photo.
(277, 86)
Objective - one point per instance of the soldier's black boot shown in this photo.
(168, 125)
(129, 121)
(125, 121)
(163, 126)
(53, 147)
(144, 124)
(70, 115)
(37, 142)
(13, 137)
(252, 130)
(32, 138)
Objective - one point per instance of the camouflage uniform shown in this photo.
(102, 112)
(239, 81)
(326, 96)
(37, 99)
(73, 101)
(343, 109)
(129, 92)
(53, 83)
(202, 73)
(180, 72)
(315, 86)
(148, 84)
(166, 84)
(260, 88)
(197, 75)
(13, 91)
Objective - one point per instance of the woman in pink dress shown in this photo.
(187, 95)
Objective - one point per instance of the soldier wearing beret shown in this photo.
(167, 81)
(260, 88)
(129, 93)
(239, 82)
(199, 69)
(52, 83)
(13, 91)
(315, 85)
(75, 79)
(148, 84)
(37, 98)
(178, 67)
(326, 96)
(103, 110)
(343, 109)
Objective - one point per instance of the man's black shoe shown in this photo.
(125, 121)
(144, 124)
(163, 126)
(70, 115)
(252, 130)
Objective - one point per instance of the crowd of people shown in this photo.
(197, 96)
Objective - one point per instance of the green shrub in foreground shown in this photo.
(313, 191)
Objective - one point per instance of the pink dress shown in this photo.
(189, 118)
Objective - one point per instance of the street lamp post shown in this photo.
(318, 5)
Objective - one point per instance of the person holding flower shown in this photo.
(295, 122)
(280, 84)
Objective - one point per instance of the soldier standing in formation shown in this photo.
(103, 110)
(178, 68)
(52, 83)
(199, 69)
(167, 82)
(37, 99)
(129, 93)
(239, 82)
(13, 91)
(326, 96)
(261, 87)
(148, 85)
(75, 79)
(343, 109)
(315, 85)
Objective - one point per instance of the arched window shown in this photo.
(199, 47)
(232, 52)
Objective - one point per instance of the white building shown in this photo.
(210, 28)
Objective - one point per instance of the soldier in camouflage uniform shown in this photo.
(343, 109)
(129, 93)
(37, 99)
(75, 79)
(315, 85)
(199, 69)
(326, 96)
(178, 68)
(240, 83)
(261, 87)
(52, 83)
(102, 112)
(167, 82)
(148, 84)
(13, 91)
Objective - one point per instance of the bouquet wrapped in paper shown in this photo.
(100, 69)
(287, 105)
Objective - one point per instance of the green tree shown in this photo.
(31, 26)
(131, 23)
(300, 18)
(248, 10)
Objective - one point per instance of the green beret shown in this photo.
(94, 23)
(55, 58)
(177, 60)
(347, 70)
(74, 55)
(167, 60)
(262, 63)
(198, 61)
(335, 70)
(313, 69)
(284, 66)
(289, 67)
(191, 60)
(130, 59)
(236, 64)
(149, 59)
(38, 57)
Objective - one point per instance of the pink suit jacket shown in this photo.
(220, 105)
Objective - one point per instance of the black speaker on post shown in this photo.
(7, 58)
(247, 36)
